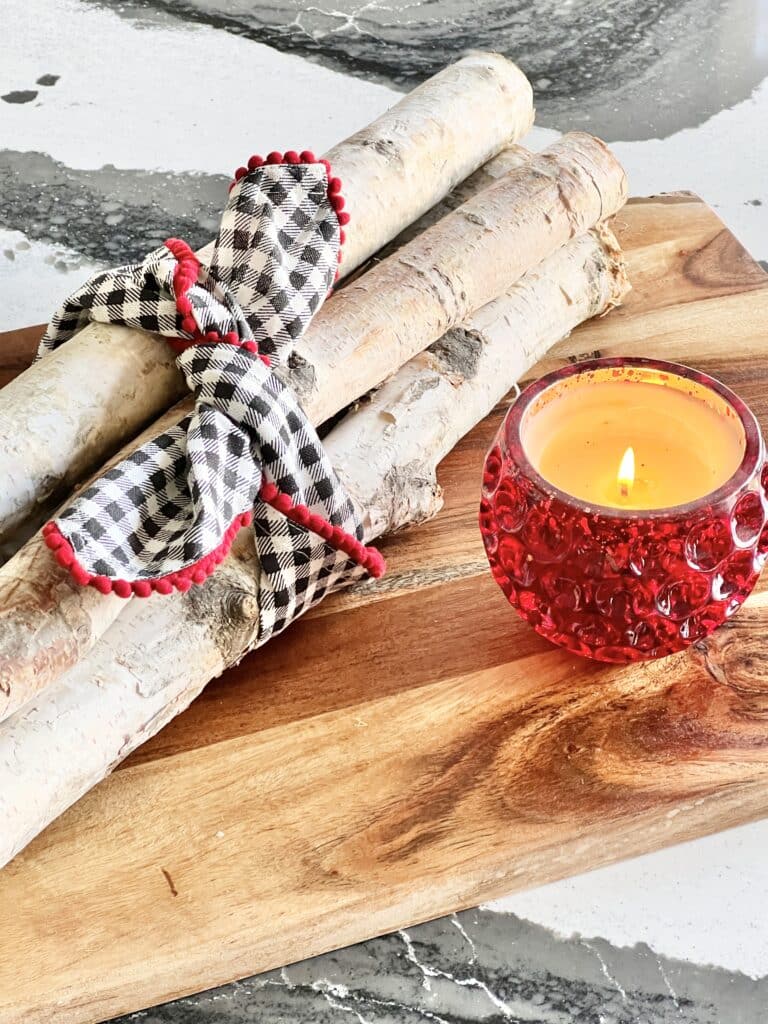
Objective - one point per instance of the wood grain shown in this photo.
(411, 747)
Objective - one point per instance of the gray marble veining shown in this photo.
(675, 83)
(115, 215)
(626, 69)
(479, 966)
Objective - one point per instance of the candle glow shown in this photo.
(626, 474)
(624, 508)
(672, 440)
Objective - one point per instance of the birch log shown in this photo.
(509, 159)
(140, 674)
(167, 383)
(53, 424)
(464, 260)
(46, 623)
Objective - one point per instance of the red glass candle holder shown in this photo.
(614, 584)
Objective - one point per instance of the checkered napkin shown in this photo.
(166, 515)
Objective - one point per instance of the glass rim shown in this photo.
(750, 462)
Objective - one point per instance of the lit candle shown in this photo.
(624, 507)
(636, 439)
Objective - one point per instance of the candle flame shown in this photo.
(626, 474)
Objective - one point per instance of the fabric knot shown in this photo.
(166, 515)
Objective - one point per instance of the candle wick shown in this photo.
(624, 489)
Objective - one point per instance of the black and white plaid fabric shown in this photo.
(165, 516)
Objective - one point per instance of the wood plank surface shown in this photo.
(409, 748)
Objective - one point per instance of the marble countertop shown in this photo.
(120, 124)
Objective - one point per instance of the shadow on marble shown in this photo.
(113, 216)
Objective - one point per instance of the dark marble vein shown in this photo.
(479, 966)
(624, 69)
(107, 215)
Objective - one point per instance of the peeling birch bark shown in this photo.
(509, 159)
(457, 265)
(63, 417)
(140, 675)
(475, 251)
(404, 162)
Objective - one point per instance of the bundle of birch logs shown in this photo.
(473, 257)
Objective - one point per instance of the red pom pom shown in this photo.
(322, 528)
(240, 173)
(122, 588)
(80, 575)
(275, 157)
(308, 157)
(377, 565)
(212, 336)
(300, 515)
(188, 325)
(102, 583)
(246, 518)
(65, 556)
(291, 157)
(265, 359)
(337, 202)
(163, 586)
(339, 538)
(251, 346)
(183, 584)
(342, 236)
(254, 162)
(199, 576)
(282, 503)
(142, 588)
(48, 528)
(268, 492)
(54, 540)
(334, 186)
(343, 218)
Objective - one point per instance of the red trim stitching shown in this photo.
(368, 557)
(184, 276)
(371, 559)
(181, 580)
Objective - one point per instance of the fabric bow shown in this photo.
(166, 515)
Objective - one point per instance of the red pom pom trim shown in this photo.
(371, 559)
(181, 580)
(306, 156)
(184, 277)
(188, 268)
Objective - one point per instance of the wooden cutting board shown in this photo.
(410, 748)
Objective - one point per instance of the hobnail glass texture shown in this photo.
(622, 585)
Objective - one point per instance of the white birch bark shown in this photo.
(141, 674)
(469, 257)
(360, 337)
(67, 414)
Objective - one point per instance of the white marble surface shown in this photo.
(153, 92)
(705, 901)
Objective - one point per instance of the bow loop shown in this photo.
(166, 515)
